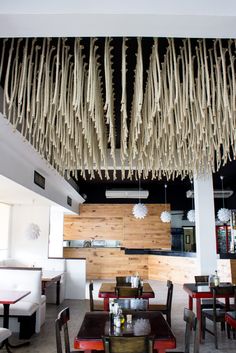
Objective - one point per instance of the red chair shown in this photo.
(230, 319)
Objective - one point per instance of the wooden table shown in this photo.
(200, 292)
(8, 297)
(97, 324)
(107, 291)
(50, 277)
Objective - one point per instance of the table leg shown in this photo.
(199, 317)
(190, 302)
(58, 292)
(106, 304)
(43, 287)
(6, 315)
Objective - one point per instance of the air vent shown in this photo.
(126, 194)
(218, 194)
(69, 201)
(39, 180)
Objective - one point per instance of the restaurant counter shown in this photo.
(159, 252)
(227, 256)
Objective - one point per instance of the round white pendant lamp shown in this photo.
(223, 213)
(191, 213)
(191, 216)
(165, 215)
(140, 210)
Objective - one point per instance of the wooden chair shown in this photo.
(128, 292)
(137, 344)
(95, 305)
(191, 325)
(123, 281)
(217, 314)
(206, 303)
(201, 280)
(61, 325)
(165, 308)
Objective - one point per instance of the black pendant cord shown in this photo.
(139, 187)
(192, 194)
(165, 195)
(222, 189)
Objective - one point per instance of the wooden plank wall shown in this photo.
(109, 263)
(177, 269)
(116, 222)
(233, 270)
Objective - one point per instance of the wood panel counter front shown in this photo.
(102, 263)
(107, 263)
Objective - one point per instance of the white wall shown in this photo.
(55, 246)
(30, 251)
(5, 211)
(177, 220)
(75, 278)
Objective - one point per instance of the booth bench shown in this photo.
(27, 315)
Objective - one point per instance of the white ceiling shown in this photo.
(13, 193)
(182, 18)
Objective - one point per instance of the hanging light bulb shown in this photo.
(165, 215)
(140, 210)
(191, 216)
(191, 213)
(223, 213)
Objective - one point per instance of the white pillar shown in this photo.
(205, 224)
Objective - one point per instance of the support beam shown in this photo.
(205, 224)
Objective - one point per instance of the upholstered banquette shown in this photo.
(28, 314)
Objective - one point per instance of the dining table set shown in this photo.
(202, 291)
(134, 322)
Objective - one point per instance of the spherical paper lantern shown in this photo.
(140, 211)
(224, 215)
(191, 215)
(165, 217)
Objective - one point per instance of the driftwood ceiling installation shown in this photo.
(62, 95)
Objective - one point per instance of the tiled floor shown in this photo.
(45, 342)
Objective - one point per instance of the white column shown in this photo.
(205, 224)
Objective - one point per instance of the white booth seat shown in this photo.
(42, 309)
(57, 265)
(29, 308)
(4, 334)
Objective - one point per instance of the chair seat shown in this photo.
(157, 307)
(220, 313)
(4, 334)
(98, 305)
(208, 303)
